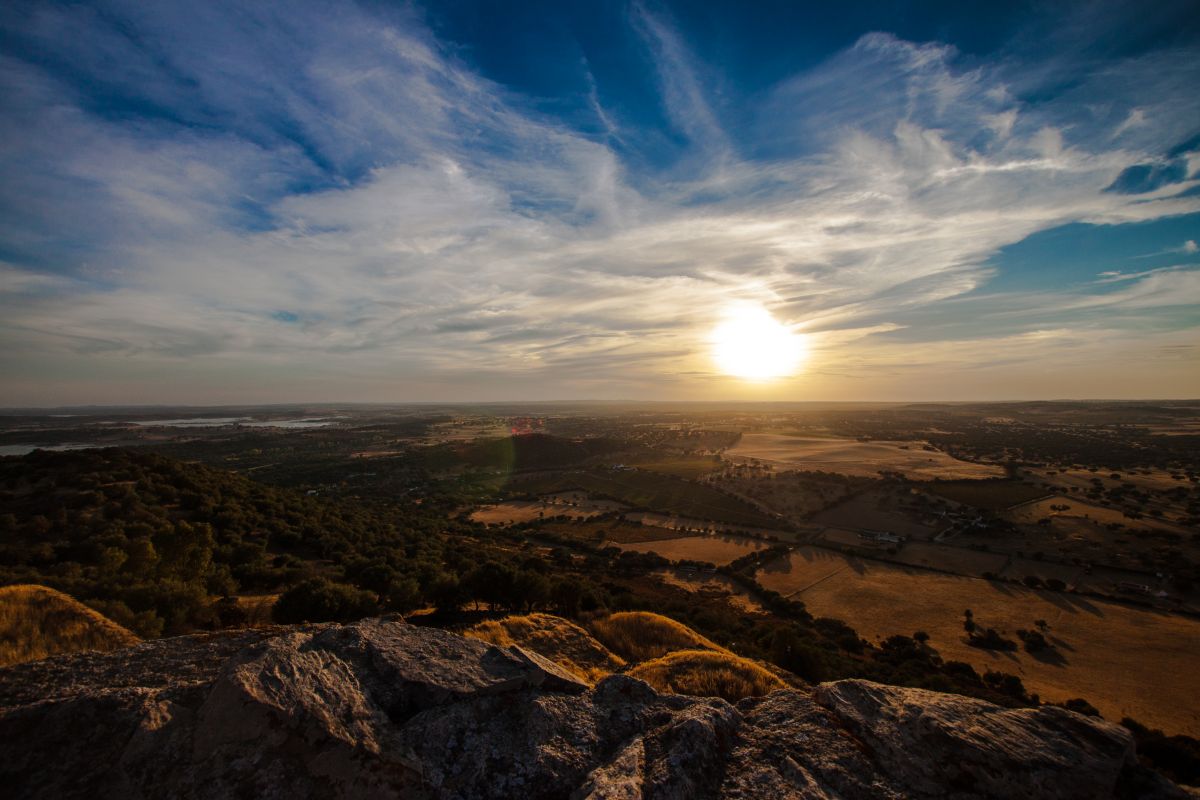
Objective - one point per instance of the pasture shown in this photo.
(1030, 513)
(852, 457)
(514, 511)
(683, 467)
(877, 511)
(1127, 661)
(719, 550)
(990, 495)
(652, 491)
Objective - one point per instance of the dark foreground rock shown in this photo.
(382, 709)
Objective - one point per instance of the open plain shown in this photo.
(1126, 660)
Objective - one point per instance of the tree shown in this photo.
(530, 589)
(448, 593)
(491, 583)
(566, 595)
(321, 600)
(403, 595)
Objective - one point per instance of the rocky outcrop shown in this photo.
(383, 709)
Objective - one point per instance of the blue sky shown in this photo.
(230, 202)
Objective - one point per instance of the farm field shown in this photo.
(949, 559)
(652, 491)
(991, 495)
(1082, 511)
(719, 550)
(852, 457)
(1126, 661)
(514, 511)
(595, 531)
(794, 494)
(877, 511)
(709, 586)
(689, 468)
(688, 525)
(1154, 480)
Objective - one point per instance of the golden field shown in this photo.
(715, 549)
(852, 457)
(1125, 660)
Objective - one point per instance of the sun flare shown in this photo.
(750, 343)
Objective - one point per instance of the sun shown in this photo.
(749, 343)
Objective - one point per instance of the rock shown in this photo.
(383, 709)
(984, 749)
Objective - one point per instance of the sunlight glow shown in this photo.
(750, 343)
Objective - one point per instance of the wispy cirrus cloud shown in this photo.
(338, 203)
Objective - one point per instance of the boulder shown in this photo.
(384, 709)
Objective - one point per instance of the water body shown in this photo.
(309, 422)
(241, 422)
(22, 449)
(193, 422)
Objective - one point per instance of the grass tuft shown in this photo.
(641, 636)
(37, 622)
(704, 673)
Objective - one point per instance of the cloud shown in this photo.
(338, 203)
(1142, 178)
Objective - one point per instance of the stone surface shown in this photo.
(383, 709)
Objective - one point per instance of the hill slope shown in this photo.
(703, 673)
(559, 640)
(641, 635)
(154, 539)
(36, 622)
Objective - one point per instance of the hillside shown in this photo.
(658, 650)
(381, 708)
(560, 640)
(152, 540)
(36, 622)
(641, 635)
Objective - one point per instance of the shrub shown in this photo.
(1081, 706)
(991, 639)
(321, 600)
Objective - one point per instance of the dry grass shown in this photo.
(689, 468)
(37, 622)
(1127, 661)
(561, 641)
(704, 673)
(1076, 509)
(641, 636)
(851, 457)
(714, 549)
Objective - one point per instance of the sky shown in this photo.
(229, 202)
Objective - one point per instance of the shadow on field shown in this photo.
(1050, 656)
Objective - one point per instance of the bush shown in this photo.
(991, 639)
(1177, 757)
(1081, 706)
(1034, 641)
(321, 600)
